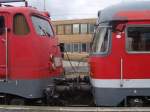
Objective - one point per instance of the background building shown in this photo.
(75, 36)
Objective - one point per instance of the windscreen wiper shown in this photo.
(44, 31)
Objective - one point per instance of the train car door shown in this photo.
(3, 45)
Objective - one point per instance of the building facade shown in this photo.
(75, 36)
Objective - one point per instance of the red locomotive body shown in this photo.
(29, 53)
(119, 61)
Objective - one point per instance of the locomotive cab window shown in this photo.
(101, 40)
(20, 25)
(138, 39)
(42, 26)
(2, 25)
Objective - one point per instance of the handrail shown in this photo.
(6, 44)
(121, 72)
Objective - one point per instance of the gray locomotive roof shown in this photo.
(108, 13)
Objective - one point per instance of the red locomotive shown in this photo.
(120, 57)
(29, 53)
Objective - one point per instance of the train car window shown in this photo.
(138, 39)
(20, 26)
(2, 25)
(68, 29)
(84, 28)
(42, 26)
(60, 29)
(76, 28)
(101, 41)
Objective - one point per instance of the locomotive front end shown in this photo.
(119, 61)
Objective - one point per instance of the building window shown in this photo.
(138, 38)
(42, 26)
(84, 47)
(68, 47)
(76, 47)
(88, 47)
(68, 29)
(84, 28)
(20, 25)
(91, 28)
(76, 28)
(60, 29)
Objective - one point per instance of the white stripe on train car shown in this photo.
(116, 83)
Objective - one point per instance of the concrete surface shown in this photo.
(70, 109)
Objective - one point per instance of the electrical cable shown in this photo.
(73, 67)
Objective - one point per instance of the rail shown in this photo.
(71, 109)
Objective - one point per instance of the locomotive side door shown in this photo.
(3, 45)
(46, 42)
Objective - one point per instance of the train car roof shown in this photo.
(137, 10)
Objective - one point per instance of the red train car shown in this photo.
(29, 54)
(120, 57)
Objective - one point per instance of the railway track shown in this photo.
(70, 109)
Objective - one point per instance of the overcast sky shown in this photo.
(73, 9)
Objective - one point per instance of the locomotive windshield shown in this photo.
(100, 43)
(138, 38)
(42, 26)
